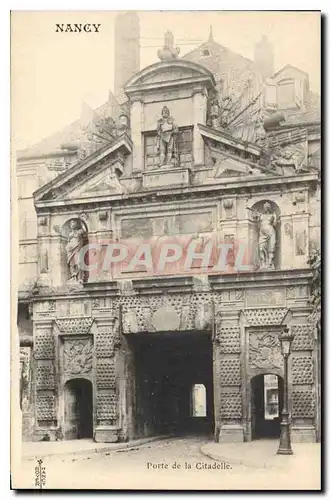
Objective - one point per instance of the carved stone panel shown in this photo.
(267, 316)
(303, 404)
(230, 372)
(78, 356)
(79, 326)
(107, 406)
(105, 342)
(44, 346)
(231, 406)
(106, 375)
(264, 351)
(45, 375)
(45, 406)
(229, 339)
(302, 370)
(166, 318)
(303, 338)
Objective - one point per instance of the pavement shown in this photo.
(79, 447)
(262, 454)
(182, 463)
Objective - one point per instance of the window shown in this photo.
(286, 94)
(206, 53)
(199, 401)
(185, 146)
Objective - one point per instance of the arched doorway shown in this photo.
(266, 405)
(78, 409)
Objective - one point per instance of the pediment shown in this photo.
(97, 175)
(104, 183)
(166, 72)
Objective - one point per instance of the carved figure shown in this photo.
(267, 223)
(167, 132)
(215, 113)
(78, 356)
(76, 241)
(169, 51)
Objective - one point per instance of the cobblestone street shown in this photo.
(175, 463)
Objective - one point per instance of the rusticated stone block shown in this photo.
(106, 375)
(231, 406)
(230, 372)
(229, 339)
(107, 406)
(303, 338)
(44, 346)
(302, 370)
(303, 404)
(45, 406)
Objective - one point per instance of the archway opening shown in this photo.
(78, 409)
(266, 405)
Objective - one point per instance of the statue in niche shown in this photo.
(167, 132)
(267, 222)
(76, 240)
(215, 112)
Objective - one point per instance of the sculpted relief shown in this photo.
(266, 220)
(77, 238)
(78, 356)
(167, 134)
(264, 351)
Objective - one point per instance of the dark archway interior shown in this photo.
(78, 409)
(166, 368)
(267, 406)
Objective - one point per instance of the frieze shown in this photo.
(72, 326)
(302, 370)
(78, 356)
(267, 316)
(230, 373)
(303, 404)
(303, 338)
(232, 295)
(265, 298)
(106, 375)
(264, 351)
(231, 406)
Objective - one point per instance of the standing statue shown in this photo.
(267, 222)
(76, 241)
(167, 132)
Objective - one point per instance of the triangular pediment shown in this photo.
(96, 175)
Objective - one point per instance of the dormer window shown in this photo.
(286, 94)
(206, 53)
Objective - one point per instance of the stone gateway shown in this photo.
(120, 351)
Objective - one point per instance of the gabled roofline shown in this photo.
(289, 66)
(123, 141)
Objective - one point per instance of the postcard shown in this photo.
(166, 255)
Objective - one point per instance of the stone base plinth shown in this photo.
(166, 176)
(303, 434)
(106, 434)
(231, 434)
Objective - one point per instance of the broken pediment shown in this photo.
(226, 165)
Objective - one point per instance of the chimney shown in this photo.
(264, 57)
(127, 48)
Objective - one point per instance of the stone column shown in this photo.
(199, 116)
(137, 118)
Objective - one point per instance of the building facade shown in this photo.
(211, 148)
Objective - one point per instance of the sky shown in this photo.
(53, 73)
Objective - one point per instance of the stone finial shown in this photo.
(168, 51)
